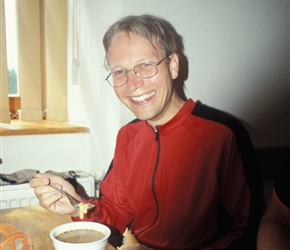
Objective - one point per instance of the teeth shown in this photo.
(142, 98)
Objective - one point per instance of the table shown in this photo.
(37, 222)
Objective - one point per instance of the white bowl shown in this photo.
(96, 245)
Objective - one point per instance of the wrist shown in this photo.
(76, 213)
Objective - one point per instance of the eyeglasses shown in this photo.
(143, 70)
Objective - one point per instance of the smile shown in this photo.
(143, 98)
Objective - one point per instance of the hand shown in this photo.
(50, 198)
(136, 246)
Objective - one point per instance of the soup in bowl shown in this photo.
(83, 235)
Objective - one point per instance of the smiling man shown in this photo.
(183, 174)
(152, 96)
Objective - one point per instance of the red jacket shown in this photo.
(169, 186)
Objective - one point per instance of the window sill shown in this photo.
(17, 127)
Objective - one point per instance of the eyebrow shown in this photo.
(119, 67)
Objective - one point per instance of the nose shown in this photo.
(133, 82)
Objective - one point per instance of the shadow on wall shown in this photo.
(271, 159)
(183, 62)
(267, 108)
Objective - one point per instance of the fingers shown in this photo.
(45, 179)
(39, 180)
(43, 192)
(50, 198)
(53, 200)
(47, 196)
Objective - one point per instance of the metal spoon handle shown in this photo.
(72, 200)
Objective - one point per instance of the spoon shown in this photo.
(75, 202)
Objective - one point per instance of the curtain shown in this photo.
(4, 101)
(56, 41)
(30, 57)
(42, 59)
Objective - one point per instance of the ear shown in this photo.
(174, 65)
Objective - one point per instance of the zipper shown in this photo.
(153, 183)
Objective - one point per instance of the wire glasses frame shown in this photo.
(143, 70)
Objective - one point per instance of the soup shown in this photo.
(80, 236)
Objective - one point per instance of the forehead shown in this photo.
(126, 42)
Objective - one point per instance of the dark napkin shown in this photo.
(19, 177)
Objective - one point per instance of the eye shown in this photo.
(118, 73)
(146, 65)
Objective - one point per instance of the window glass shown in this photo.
(12, 50)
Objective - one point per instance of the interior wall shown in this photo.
(57, 152)
(238, 61)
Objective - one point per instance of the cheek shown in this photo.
(119, 94)
(162, 79)
(165, 81)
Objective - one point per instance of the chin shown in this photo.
(143, 113)
(141, 117)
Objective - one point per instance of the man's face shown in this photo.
(149, 99)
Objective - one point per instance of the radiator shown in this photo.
(23, 195)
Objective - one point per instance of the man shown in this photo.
(183, 174)
(274, 232)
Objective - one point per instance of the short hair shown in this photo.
(156, 30)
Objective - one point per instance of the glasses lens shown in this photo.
(117, 78)
(145, 70)
(142, 70)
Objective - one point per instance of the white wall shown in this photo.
(238, 55)
(238, 61)
(57, 152)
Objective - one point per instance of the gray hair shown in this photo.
(158, 32)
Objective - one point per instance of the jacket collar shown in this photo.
(178, 119)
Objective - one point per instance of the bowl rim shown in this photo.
(78, 225)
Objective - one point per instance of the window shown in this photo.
(11, 45)
(41, 39)
(12, 57)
